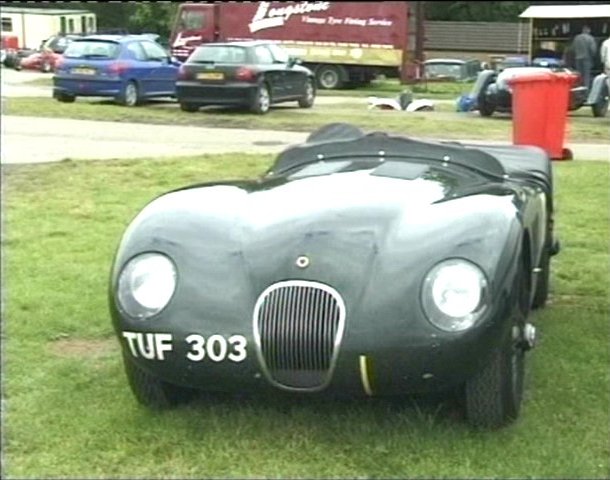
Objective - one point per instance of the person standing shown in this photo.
(604, 55)
(584, 50)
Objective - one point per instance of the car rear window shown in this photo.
(219, 54)
(92, 49)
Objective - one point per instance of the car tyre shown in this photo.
(600, 108)
(542, 287)
(493, 396)
(152, 392)
(188, 107)
(131, 95)
(486, 109)
(65, 98)
(45, 67)
(262, 100)
(307, 100)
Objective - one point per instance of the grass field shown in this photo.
(68, 412)
(444, 122)
(450, 90)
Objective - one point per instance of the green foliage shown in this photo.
(475, 11)
(136, 17)
(153, 17)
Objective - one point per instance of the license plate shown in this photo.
(83, 71)
(211, 76)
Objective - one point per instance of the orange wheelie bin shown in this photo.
(540, 104)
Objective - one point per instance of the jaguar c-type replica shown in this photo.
(492, 93)
(359, 264)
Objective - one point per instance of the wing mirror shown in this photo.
(174, 61)
(292, 61)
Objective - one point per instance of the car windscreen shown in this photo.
(219, 54)
(444, 70)
(404, 170)
(92, 49)
(57, 44)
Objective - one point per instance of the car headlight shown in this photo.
(146, 285)
(454, 295)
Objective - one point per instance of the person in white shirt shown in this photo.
(604, 54)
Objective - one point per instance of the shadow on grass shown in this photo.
(430, 409)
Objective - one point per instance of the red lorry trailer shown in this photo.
(344, 43)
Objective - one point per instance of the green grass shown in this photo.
(392, 87)
(70, 414)
(448, 90)
(442, 123)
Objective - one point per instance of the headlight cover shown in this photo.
(454, 295)
(146, 285)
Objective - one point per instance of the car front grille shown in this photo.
(298, 327)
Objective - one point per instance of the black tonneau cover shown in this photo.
(521, 161)
(340, 141)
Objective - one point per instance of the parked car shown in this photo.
(359, 264)
(492, 93)
(128, 68)
(501, 63)
(451, 69)
(9, 44)
(251, 74)
(46, 57)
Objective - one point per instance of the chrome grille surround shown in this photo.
(298, 329)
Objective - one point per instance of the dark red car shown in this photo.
(45, 59)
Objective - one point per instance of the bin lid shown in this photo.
(521, 72)
(544, 76)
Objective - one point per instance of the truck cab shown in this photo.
(195, 24)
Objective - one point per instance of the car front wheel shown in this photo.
(493, 396)
(306, 101)
(262, 100)
(486, 109)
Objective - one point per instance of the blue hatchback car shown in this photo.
(129, 68)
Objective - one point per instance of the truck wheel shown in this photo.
(262, 100)
(152, 392)
(493, 396)
(189, 107)
(306, 101)
(130, 96)
(329, 77)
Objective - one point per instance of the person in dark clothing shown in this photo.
(584, 50)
